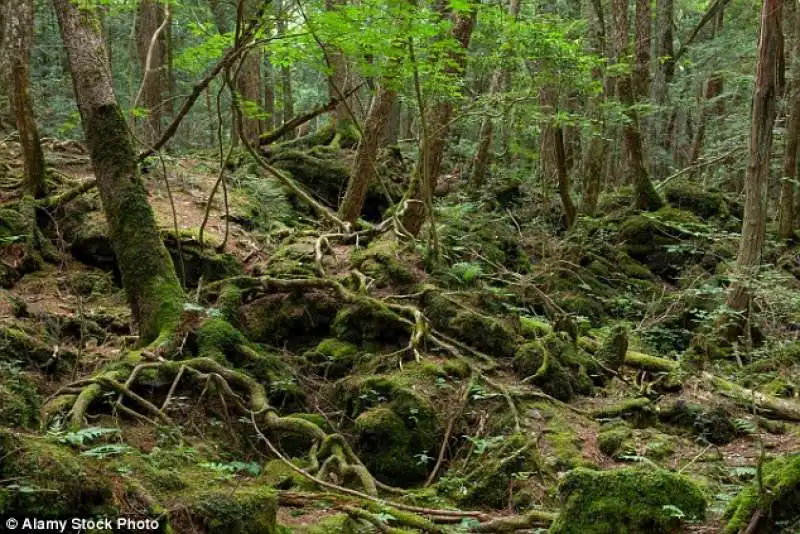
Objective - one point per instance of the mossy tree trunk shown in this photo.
(18, 35)
(248, 80)
(787, 214)
(645, 195)
(364, 167)
(151, 45)
(438, 119)
(148, 276)
(754, 223)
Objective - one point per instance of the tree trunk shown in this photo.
(438, 120)
(664, 71)
(645, 195)
(483, 155)
(786, 222)
(642, 50)
(18, 36)
(563, 179)
(594, 156)
(154, 63)
(287, 99)
(341, 79)
(248, 83)
(763, 119)
(713, 88)
(364, 167)
(148, 276)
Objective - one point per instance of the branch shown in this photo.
(299, 120)
(715, 8)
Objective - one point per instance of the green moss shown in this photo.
(557, 365)
(779, 502)
(611, 438)
(64, 484)
(411, 426)
(485, 333)
(709, 425)
(368, 321)
(199, 261)
(86, 283)
(244, 511)
(626, 501)
(487, 483)
(533, 327)
(333, 357)
(293, 260)
(217, 339)
(583, 305)
(381, 261)
(703, 202)
(456, 368)
(612, 352)
(19, 401)
(18, 345)
(288, 318)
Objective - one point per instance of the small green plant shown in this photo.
(83, 436)
(484, 444)
(104, 451)
(232, 468)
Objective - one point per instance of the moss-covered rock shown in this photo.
(333, 357)
(779, 502)
(486, 333)
(60, 483)
(656, 239)
(712, 425)
(294, 259)
(533, 327)
(703, 202)
(611, 438)
(293, 318)
(199, 261)
(557, 365)
(221, 511)
(382, 261)
(391, 416)
(612, 352)
(627, 501)
(369, 321)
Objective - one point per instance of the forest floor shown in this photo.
(540, 367)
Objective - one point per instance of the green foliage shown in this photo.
(83, 436)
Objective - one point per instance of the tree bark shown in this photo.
(148, 276)
(786, 222)
(713, 88)
(287, 99)
(642, 50)
(563, 178)
(594, 155)
(18, 35)
(664, 71)
(154, 79)
(341, 78)
(645, 195)
(754, 222)
(438, 120)
(248, 82)
(364, 167)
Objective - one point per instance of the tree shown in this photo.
(18, 35)
(786, 222)
(152, 47)
(438, 128)
(248, 78)
(645, 195)
(663, 74)
(594, 155)
(148, 275)
(364, 167)
(754, 222)
(483, 155)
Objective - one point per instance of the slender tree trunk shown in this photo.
(248, 83)
(287, 99)
(18, 35)
(269, 96)
(148, 276)
(642, 49)
(763, 119)
(364, 167)
(786, 221)
(341, 79)
(594, 156)
(438, 120)
(483, 156)
(645, 195)
(570, 212)
(663, 73)
(155, 82)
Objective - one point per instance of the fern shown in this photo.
(84, 435)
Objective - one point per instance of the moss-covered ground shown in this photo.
(528, 374)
